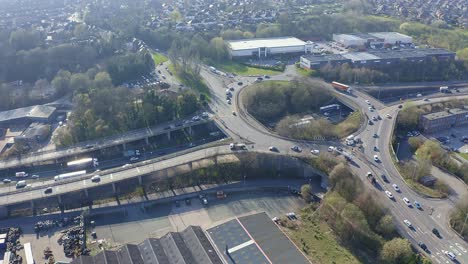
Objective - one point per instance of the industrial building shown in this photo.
(27, 115)
(266, 47)
(374, 58)
(374, 40)
(443, 120)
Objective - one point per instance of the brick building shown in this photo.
(443, 120)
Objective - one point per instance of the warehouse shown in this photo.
(374, 40)
(27, 115)
(443, 120)
(376, 57)
(266, 47)
(317, 61)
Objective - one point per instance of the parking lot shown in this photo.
(452, 138)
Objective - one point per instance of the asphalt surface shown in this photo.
(242, 128)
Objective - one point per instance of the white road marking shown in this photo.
(241, 246)
(460, 247)
(138, 169)
(112, 176)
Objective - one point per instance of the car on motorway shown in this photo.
(370, 122)
(240, 83)
(296, 148)
(407, 201)
(375, 135)
(96, 178)
(436, 232)
(48, 190)
(35, 176)
(384, 178)
(133, 159)
(374, 118)
(422, 246)
(315, 151)
(376, 149)
(450, 255)
(417, 205)
(388, 116)
(396, 187)
(371, 109)
(331, 148)
(273, 149)
(408, 223)
(389, 194)
(376, 158)
(6, 181)
(368, 102)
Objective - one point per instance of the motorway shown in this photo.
(241, 127)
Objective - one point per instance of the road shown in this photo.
(241, 127)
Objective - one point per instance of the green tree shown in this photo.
(415, 143)
(61, 82)
(386, 227)
(102, 80)
(306, 192)
(187, 103)
(79, 83)
(395, 251)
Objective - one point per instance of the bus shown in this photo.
(69, 175)
(83, 163)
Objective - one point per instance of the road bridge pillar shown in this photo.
(114, 188)
(124, 145)
(190, 164)
(190, 130)
(147, 140)
(86, 193)
(33, 208)
(140, 180)
(59, 198)
(169, 135)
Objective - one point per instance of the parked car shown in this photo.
(96, 178)
(6, 180)
(417, 205)
(315, 151)
(450, 255)
(273, 149)
(296, 148)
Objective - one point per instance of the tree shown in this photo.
(305, 192)
(386, 227)
(102, 80)
(395, 251)
(61, 82)
(431, 150)
(79, 83)
(408, 118)
(343, 181)
(415, 143)
(187, 103)
(25, 39)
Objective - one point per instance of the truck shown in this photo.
(236, 146)
(69, 175)
(21, 174)
(350, 140)
(444, 89)
(20, 184)
(341, 87)
(82, 163)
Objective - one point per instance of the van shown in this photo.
(20, 184)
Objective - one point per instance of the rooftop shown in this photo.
(36, 111)
(446, 113)
(327, 57)
(244, 44)
(387, 35)
(360, 56)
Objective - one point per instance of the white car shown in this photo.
(396, 187)
(331, 148)
(408, 223)
(6, 180)
(376, 158)
(450, 255)
(368, 102)
(315, 151)
(389, 194)
(407, 201)
(388, 116)
(371, 109)
(35, 176)
(134, 158)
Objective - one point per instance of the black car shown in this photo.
(400, 106)
(422, 246)
(48, 190)
(188, 201)
(240, 83)
(436, 232)
(370, 122)
(384, 178)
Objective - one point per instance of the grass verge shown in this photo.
(306, 72)
(464, 155)
(349, 125)
(159, 58)
(190, 80)
(241, 69)
(318, 241)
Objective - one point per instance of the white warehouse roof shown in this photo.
(245, 44)
(391, 35)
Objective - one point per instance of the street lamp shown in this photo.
(244, 178)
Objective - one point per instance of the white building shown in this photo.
(377, 39)
(265, 47)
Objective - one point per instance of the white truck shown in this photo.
(21, 174)
(236, 146)
(444, 89)
(69, 175)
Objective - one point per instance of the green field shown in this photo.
(159, 58)
(191, 81)
(241, 69)
(306, 72)
(319, 243)
(464, 155)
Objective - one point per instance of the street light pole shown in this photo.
(463, 228)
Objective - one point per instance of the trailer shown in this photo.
(341, 87)
(28, 253)
(82, 163)
(69, 175)
(329, 108)
(21, 174)
(444, 89)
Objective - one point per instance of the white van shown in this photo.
(20, 184)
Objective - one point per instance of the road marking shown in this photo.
(84, 182)
(241, 246)
(112, 176)
(138, 169)
(454, 250)
(460, 247)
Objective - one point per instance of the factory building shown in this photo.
(374, 40)
(443, 120)
(266, 47)
(27, 115)
(375, 58)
